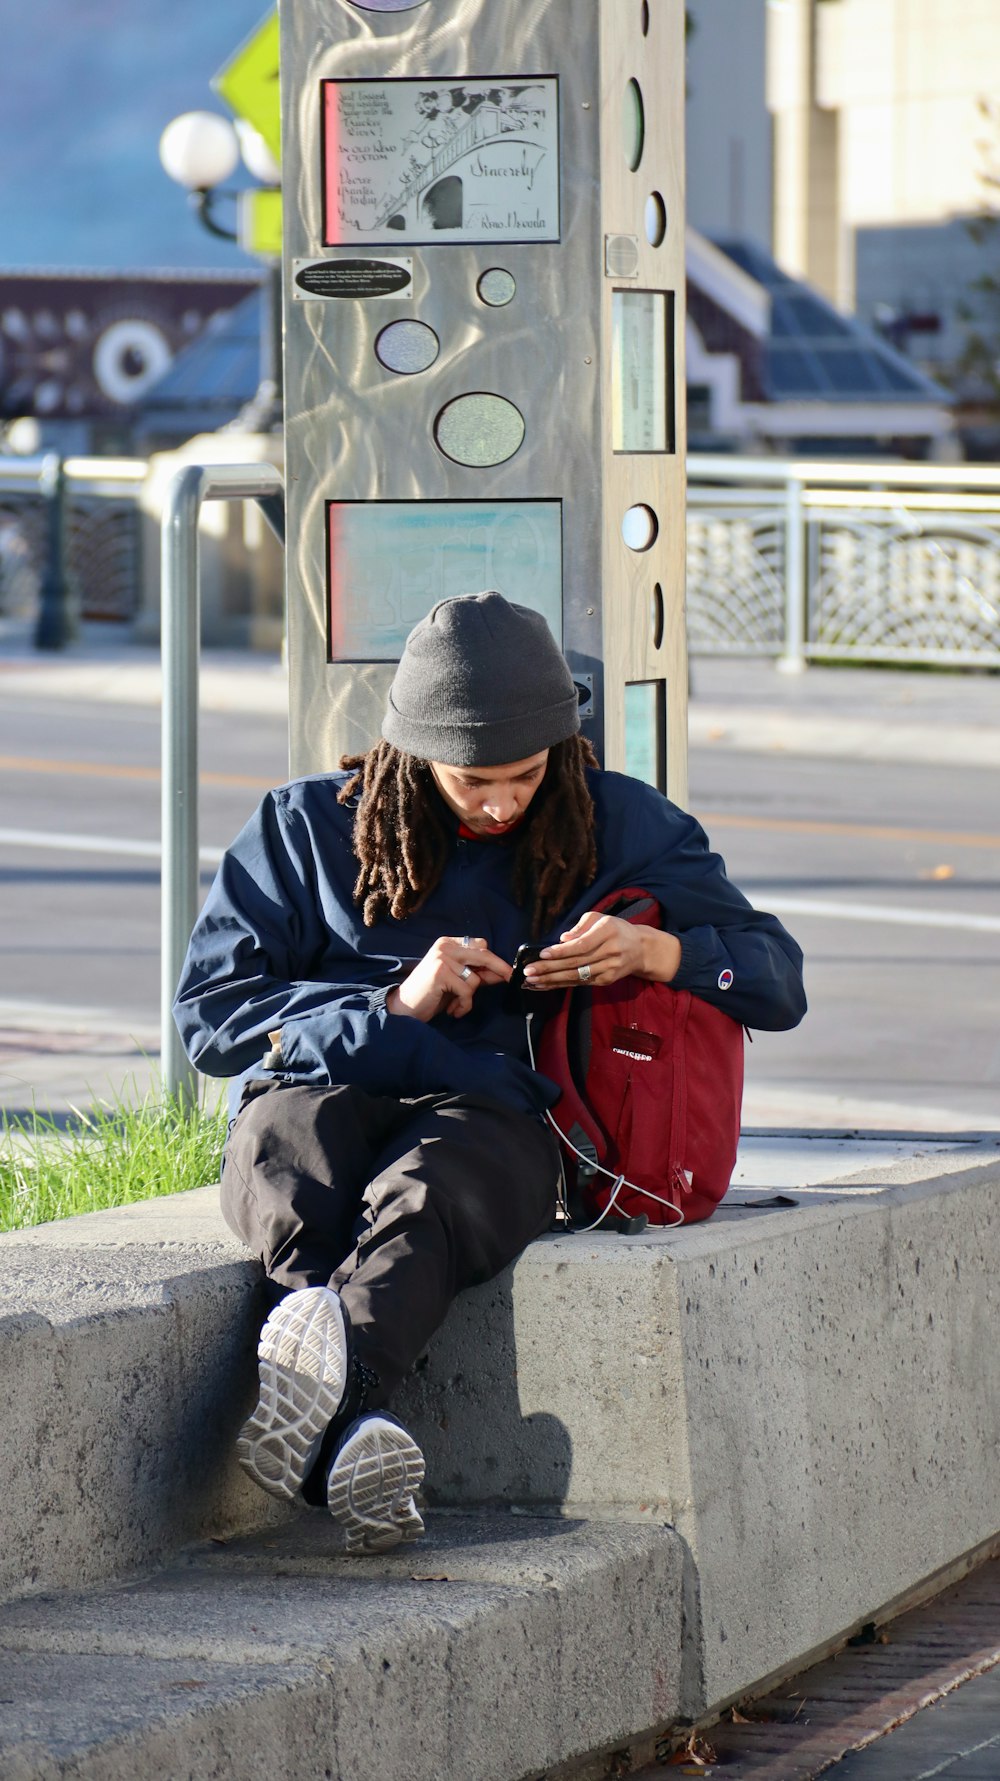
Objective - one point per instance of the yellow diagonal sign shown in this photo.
(248, 82)
(258, 222)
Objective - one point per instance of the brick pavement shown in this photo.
(917, 1698)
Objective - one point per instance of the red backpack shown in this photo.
(652, 1089)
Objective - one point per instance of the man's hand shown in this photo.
(446, 979)
(610, 949)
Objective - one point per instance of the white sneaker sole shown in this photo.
(371, 1483)
(302, 1357)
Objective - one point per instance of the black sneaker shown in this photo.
(302, 1355)
(371, 1481)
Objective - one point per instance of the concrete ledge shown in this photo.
(807, 1394)
(126, 1345)
(495, 1650)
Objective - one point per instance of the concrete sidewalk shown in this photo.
(866, 714)
(105, 667)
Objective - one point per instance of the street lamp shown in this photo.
(200, 150)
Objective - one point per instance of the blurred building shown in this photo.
(150, 365)
(82, 352)
(773, 366)
(859, 142)
(211, 384)
(728, 125)
(883, 119)
(887, 173)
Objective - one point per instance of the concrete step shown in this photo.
(494, 1649)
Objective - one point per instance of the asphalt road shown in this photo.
(887, 874)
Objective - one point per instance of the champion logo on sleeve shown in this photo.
(725, 979)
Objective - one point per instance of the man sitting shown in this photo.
(349, 964)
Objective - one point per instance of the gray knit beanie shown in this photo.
(481, 682)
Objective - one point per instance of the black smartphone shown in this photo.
(525, 955)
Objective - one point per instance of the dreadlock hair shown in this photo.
(402, 840)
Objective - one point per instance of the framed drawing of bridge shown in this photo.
(427, 162)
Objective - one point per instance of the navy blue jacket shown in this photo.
(280, 943)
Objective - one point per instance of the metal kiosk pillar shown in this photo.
(484, 314)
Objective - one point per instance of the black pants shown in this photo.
(397, 1204)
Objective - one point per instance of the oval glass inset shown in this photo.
(639, 527)
(644, 18)
(633, 124)
(407, 347)
(496, 287)
(656, 219)
(386, 5)
(656, 613)
(479, 429)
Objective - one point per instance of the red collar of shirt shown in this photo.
(466, 834)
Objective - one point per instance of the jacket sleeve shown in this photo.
(247, 972)
(732, 955)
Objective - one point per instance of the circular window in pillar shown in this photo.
(657, 615)
(496, 287)
(407, 347)
(639, 527)
(633, 125)
(656, 219)
(479, 429)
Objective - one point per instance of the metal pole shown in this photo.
(793, 660)
(271, 342)
(56, 622)
(180, 619)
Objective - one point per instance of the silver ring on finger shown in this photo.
(466, 971)
(584, 973)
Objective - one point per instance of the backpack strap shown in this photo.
(632, 904)
(678, 1109)
(636, 905)
(577, 1113)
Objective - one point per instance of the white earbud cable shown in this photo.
(619, 1180)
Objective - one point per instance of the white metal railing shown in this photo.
(876, 562)
(96, 476)
(801, 559)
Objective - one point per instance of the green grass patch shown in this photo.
(111, 1155)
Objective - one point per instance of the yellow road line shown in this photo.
(716, 819)
(12, 763)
